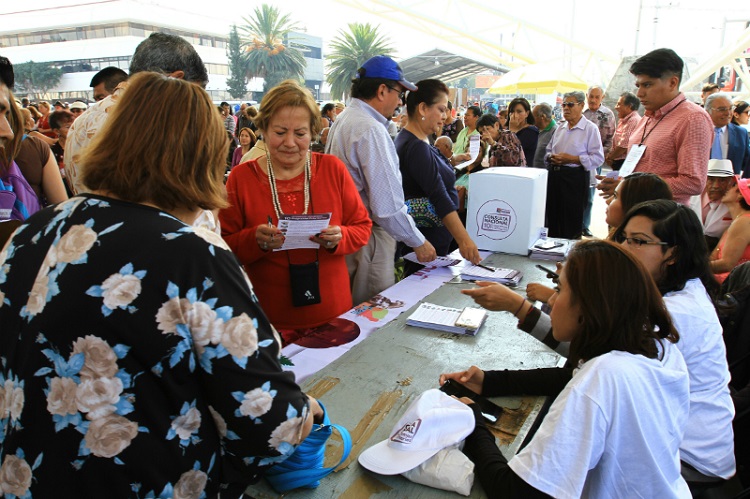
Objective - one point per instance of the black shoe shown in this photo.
(587, 233)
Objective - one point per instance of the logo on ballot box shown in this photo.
(496, 219)
(407, 432)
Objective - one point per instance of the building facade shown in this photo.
(85, 38)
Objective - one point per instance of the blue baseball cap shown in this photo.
(382, 66)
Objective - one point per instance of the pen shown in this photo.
(550, 273)
(485, 267)
(270, 221)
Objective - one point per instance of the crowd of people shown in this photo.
(145, 307)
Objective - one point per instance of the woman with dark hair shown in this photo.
(327, 115)
(667, 238)
(734, 246)
(613, 429)
(741, 113)
(247, 141)
(635, 188)
(429, 180)
(135, 356)
(38, 165)
(453, 125)
(502, 117)
(521, 123)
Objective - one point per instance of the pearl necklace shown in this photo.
(274, 192)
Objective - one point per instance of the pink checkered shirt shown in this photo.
(624, 130)
(678, 147)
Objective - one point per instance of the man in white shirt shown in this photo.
(713, 214)
(359, 137)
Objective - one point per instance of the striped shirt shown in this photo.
(624, 130)
(359, 137)
(678, 138)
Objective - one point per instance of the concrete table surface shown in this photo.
(369, 387)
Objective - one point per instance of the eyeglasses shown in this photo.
(721, 109)
(568, 104)
(401, 95)
(638, 242)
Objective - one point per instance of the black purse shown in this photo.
(304, 279)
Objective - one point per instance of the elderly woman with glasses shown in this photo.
(575, 150)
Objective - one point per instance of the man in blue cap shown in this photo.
(359, 137)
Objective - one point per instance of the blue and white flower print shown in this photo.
(119, 290)
(186, 425)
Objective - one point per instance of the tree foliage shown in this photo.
(237, 81)
(268, 49)
(35, 78)
(349, 50)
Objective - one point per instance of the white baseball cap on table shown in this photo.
(432, 422)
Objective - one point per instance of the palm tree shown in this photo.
(265, 53)
(349, 51)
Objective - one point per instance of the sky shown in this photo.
(533, 30)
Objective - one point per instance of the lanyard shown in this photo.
(645, 135)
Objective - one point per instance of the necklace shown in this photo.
(274, 192)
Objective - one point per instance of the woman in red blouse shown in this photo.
(290, 180)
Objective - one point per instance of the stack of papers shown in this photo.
(452, 320)
(441, 261)
(509, 277)
(551, 248)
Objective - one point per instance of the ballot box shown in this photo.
(506, 205)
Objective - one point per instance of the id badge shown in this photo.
(631, 161)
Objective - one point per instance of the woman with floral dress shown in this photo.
(135, 360)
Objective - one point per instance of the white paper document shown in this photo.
(474, 144)
(298, 229)
(452, 320)
(441, 261)
(495, 274)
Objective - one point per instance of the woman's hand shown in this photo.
(472, 379)
(539, 292)
(329, 237)
(494, 296)
(268, 237)
(487, 138)
(469, 250)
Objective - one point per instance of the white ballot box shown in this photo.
(506, 208)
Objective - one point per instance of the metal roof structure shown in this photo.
(444, 66)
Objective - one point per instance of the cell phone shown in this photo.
(551, 272)
(548, 245)
(490, 411)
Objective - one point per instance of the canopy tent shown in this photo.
(537, 79)
(444, 66)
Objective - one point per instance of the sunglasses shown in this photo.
(568, 104)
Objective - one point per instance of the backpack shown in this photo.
(507, 151)
(18, 201)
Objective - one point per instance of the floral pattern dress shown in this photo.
(135, 360)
